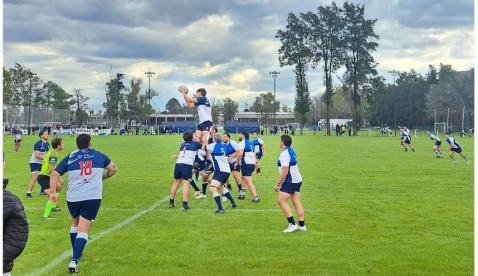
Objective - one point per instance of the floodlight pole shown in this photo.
(274, 75)
(394, 73)
(149, 73)
(30, 77)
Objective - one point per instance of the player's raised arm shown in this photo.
(189, 101)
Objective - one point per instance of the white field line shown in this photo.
(68, 252)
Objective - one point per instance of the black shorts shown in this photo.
(438, 143)
(44, 181)
(258, 155)
(248, 169)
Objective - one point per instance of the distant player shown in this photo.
(36, 160)
(406, 139)
(247, 159)
(183, 170)
(217, 150)
(259, 149)
(437, 144)
(204, 111)
(17, 137)
(455, 147)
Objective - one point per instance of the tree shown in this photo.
(264, 105)
(80, 105)
(359, 62)
(230, 108)
(174, 107)
(302, 98)
(432, 76)
(452, 99)
(293, 51)
(324, 39)
(114, 98)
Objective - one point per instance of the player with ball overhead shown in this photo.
(204, 111)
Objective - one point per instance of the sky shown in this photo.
(226, 46)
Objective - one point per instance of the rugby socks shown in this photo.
(228, 195)
(466, 159)
(204, 187)
(57, 197)
(73, 233)
(242, 192)
(291, 220)
(185, 204)
(258, 170)
(195, 187)
(217, 198)
(301, 223)
(196, 173)
(79, 246)
(49, 205)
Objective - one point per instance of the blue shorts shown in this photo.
(438, 143)
(221, 176)
(457, 150)
(290, 188)
(183, 171)
(236, 169)
(17, 140)
(204, 126)
(201, 165)
(248, 169)
(258, 155)
(86, 208)
(35, 167)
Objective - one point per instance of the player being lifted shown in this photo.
(204, 111)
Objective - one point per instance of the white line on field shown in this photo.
(68, 252)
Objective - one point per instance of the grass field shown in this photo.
(369, 208)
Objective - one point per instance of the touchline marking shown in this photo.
(68, 253)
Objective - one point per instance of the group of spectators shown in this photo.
(342, 130)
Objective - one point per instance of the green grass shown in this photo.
(369, 208)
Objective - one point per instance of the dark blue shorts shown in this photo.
(35, 167)
(86, 208)
(247, 170)
(204, 126)
(457, 150)
(290, 188)
(183, 171)
(221, 176)
(258, 155)
(438, 143)
(236, 169)
(201, 165)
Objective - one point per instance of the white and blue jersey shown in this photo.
(219, 157)
(43, 148)
(231, 148)
(187, 152)
(405, 137)
(455, 147)
(435, 138)
(248, 156)
(85, 170)
(288, 158)
(204, 109)
(18, 135)
(257, 145)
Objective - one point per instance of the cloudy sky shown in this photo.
(226, 46)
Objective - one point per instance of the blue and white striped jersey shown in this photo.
(219, 157)
(248, 156)
(204, 109)
(187, 152)
(450, 141)
(85, 170)
(288, 158)
(232, 147)
(43, 148)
